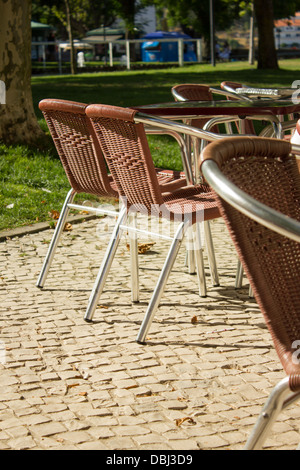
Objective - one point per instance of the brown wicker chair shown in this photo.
(231, 87)
(124, 145)
(257, 186)
(85, 167)
(194, 92)
(246, 126)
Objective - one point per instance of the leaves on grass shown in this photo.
(54, 214)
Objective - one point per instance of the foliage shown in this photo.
(85, 16)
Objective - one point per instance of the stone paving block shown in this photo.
(70, 385)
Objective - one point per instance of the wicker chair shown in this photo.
(194, 92)
(245, 126)
(124, 145)
(231, 87)
(257, 186)
(86, 170)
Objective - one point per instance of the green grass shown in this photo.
(32, 183)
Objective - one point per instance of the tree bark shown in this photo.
(267, 58)
(70, 35)
(18, 122)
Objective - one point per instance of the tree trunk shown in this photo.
(70, 35)
(18, 122)
(267, 58)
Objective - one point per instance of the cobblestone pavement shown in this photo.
(198, 383)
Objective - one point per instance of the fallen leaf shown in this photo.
(54, 214)
(149, 393)
(142, 247)
(179, 421)
(72, 385)
(68, 227)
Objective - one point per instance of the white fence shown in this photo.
(180, 44)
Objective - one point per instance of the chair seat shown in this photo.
(188, 201)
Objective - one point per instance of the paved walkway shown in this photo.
(199, 383)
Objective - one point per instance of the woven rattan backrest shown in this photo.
(193, 92)
(77, 146)
(263, 169)
(125, 147)
(233, 85)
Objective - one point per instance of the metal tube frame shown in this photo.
(248, 205)
(55, 238)
(163, 277)
(279, 399)
(106, 264)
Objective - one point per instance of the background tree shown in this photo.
(266, 53)
(73, 18)
(193, 17)
(265, 11)
(18, 122)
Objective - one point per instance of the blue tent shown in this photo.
(156, 51)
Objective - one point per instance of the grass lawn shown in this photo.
(32, 183)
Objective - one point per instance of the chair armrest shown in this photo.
(248, 205)
(229, 94)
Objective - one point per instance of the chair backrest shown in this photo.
(229, 86)
(264, 169)
(125, 148)
(192, 92)
(77, 146)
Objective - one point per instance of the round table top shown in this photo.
(221, 108)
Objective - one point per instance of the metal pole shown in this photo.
(212, 32)
(128, 54)
(111, 60)
(251, 38)
(180, 52)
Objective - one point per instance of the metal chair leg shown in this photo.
(191, 261)
(211, 254)
(239, 275)
(280, 397)
(198, 253)
(106, 264)
(55, 239)
(158, 291)
(134, 262)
